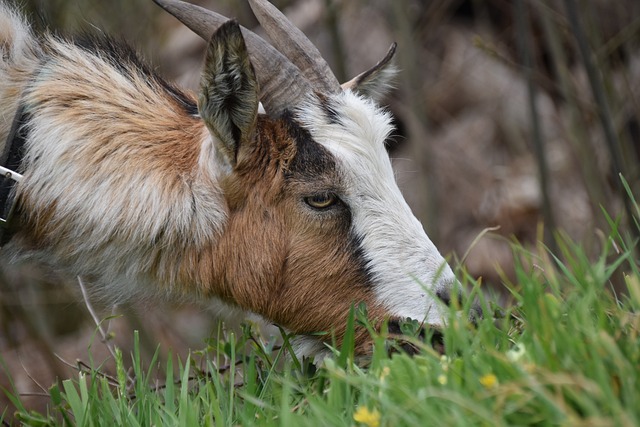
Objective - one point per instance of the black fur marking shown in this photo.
(15, 145)
(124, 58)
(364, 264)
(444, 295)
(312, 162)
(11, 159)
(187, 104)
(332, 114)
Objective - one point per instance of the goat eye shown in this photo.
(321, 201)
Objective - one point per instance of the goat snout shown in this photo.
(444, 295)
(475, 310)
(452, 297)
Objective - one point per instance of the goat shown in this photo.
(145, 191)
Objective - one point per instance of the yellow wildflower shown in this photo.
(385, 373)
(489, 381)
(442, 379)
(365, 416)
(444, 362)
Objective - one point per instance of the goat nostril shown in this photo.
(444, 295)
(437, 341)
(450, 298)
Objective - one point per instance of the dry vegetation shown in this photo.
(490, 99)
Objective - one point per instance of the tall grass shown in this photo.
(566, 353)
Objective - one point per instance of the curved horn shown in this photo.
(292, 42)
(282, 85)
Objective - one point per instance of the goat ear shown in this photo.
(228, 101)
(377, 81)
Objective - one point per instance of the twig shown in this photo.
(190, 378)
(604, 113)
(598, 193)
(31, 377)
(476, 240)
(524, 46)
(64, 362)
(80, 365)
(96, 319)
(299, 405)
(33, 394)
(105, 337)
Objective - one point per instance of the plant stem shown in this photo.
(525, 49)
(604, 114)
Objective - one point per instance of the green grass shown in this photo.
(567, 352)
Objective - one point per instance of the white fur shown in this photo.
(125, 203)
(113, 214)
(407, 267)
(18, 59)
(120, 221)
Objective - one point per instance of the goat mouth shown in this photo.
(411, 348)
(409, 342)
(411, 337)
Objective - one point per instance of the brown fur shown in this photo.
(125, 186)
(274, 258)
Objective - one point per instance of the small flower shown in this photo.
(444, 362)
(385, 373)
(489, 381)
(365, 416)
(442, 379)
(516, 352)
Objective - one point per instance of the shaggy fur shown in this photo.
(131, 186)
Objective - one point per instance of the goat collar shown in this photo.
(10, 171)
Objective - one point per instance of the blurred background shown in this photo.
(514, 120)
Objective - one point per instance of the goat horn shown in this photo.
(292, 42)
(282, 86)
